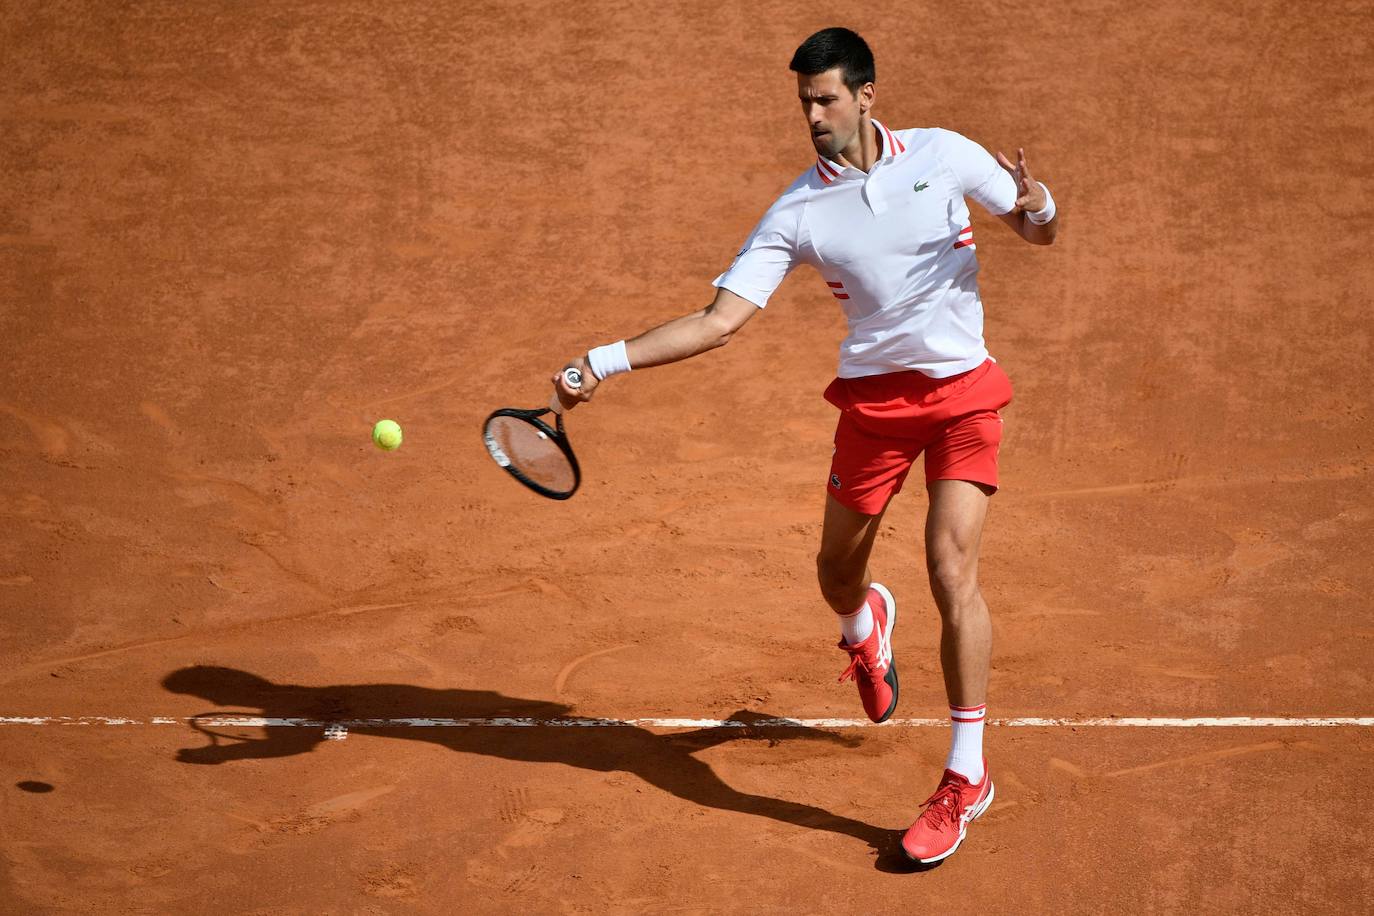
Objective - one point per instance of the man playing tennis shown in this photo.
(881, 215)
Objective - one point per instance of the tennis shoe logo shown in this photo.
(920, 186)
(884, 649)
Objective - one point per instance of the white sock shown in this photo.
(857, 626)
(966, 747)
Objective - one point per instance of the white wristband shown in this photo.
(608, 360)
(1044, 215)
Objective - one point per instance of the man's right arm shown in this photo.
(770, 252)
(671, 342)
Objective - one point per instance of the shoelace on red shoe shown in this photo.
(946, 804)
(856, 661)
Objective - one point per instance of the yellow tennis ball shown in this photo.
(386, 435)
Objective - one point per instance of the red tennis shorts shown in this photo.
(887, 420)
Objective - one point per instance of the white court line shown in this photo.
(227, 721)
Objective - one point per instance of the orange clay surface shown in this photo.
(233, 236)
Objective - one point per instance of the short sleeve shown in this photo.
(768, 255)
(979, 175)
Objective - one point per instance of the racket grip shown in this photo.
(573, 379)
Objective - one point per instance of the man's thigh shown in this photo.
(954, 525)
(867, 470)
(967, 451)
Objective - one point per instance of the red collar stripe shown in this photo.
(894, 145)
(827, 173)
(891, 147)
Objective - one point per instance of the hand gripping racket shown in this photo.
(535, 453)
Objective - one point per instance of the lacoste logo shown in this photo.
(920, 186)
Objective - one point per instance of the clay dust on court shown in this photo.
(233, 236)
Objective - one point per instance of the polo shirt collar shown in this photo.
(829, 170)
(892, 147)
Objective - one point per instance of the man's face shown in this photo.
(832, 112)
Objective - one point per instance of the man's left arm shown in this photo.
(1035, 217)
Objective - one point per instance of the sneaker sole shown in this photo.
(978, 810)
(891, 676)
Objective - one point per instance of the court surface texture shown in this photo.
(249, 663)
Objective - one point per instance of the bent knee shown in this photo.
(834, 573)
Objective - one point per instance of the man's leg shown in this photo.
(866, 610)
(961, 476)
(954, 529)
(842, 563)
(954, 532)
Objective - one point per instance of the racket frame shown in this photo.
(554, 434)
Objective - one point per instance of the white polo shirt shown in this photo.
(894, 246)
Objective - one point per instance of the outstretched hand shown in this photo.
(1029, 195)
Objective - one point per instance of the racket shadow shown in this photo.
(663, 761)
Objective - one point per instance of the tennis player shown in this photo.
(881, 215)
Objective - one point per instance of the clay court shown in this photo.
(233, 236)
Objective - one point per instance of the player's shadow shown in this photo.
(663, 761)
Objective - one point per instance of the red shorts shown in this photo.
(887, 420)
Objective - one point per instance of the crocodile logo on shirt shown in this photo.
(920, 186)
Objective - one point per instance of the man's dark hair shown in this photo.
(831, 48)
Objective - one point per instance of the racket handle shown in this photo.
(573, 379)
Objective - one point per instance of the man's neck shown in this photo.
(863, 152)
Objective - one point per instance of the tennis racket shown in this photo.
(535, 453)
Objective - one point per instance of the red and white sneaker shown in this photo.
(941, 827)
(870, 662)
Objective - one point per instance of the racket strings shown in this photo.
(519, 445)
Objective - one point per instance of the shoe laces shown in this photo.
(947, 804)
(857, 662)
